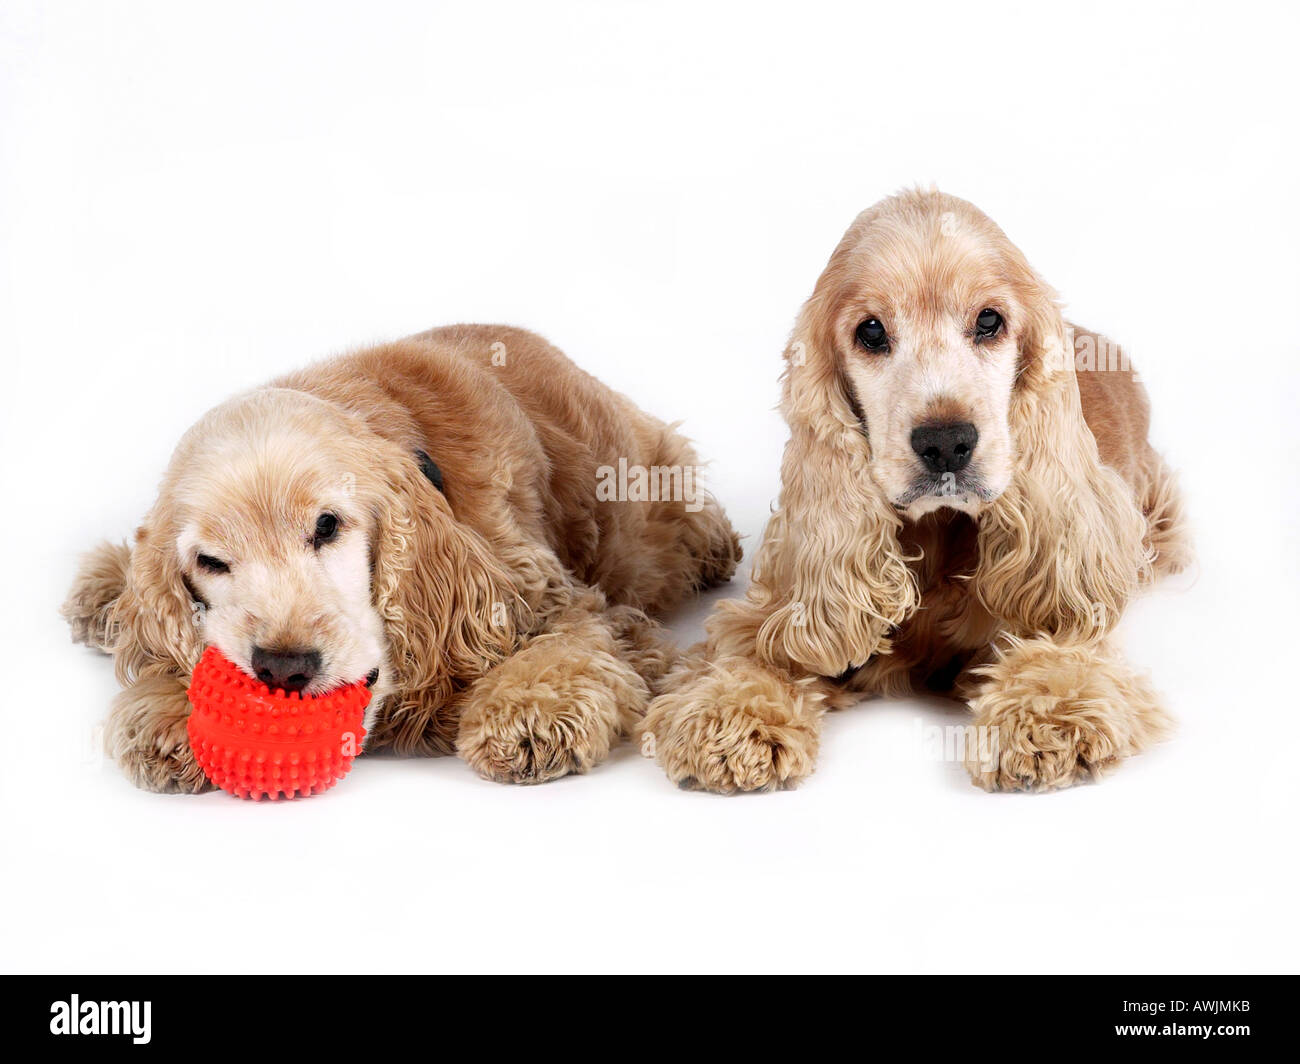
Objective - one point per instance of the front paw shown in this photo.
(1042, 745)
(551, 710)
(1050, 717)
(734, 727)
(146, 734)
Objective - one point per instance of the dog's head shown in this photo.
(929, 369)
(312, 553)
(930, 313)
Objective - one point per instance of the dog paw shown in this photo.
(1044, 746)
(173, 771)
(146, 733)
(551, 710)
(533, 738)
(1050, 717)
(160, 759)
(734, 727)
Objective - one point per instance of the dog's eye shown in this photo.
(987, 324)
(327, 527)
(872, 335)
(211, 564)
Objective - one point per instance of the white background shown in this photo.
(196, 197)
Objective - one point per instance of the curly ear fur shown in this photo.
(830, 579)
(450, 611)
(133, 603)
(157, 622)
(1061, 551)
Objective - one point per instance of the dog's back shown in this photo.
(1118, 413)
(501, 410)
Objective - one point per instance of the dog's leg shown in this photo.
(735, 725)
(101, 579)
(1058, 713)
(146, 734)
(1168, 540)
(643, 644)
(554, 707)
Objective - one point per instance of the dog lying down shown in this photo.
(969, 501)
(424, 515)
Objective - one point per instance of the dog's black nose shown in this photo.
(290, 670)
(945, 448)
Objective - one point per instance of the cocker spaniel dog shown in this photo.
(968, 501)
(425, 515)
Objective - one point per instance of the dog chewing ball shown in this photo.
(254, 742)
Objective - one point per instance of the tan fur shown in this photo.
(732, 724)
(1064, 712)
(95, 590)
(506, 616)
(1007, 599)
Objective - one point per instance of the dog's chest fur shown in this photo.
(950, 629)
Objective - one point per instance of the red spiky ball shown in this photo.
(255, 742)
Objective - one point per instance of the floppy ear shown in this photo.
(1061, 550)
(830, 579)
(449, 609)
(155, 626)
